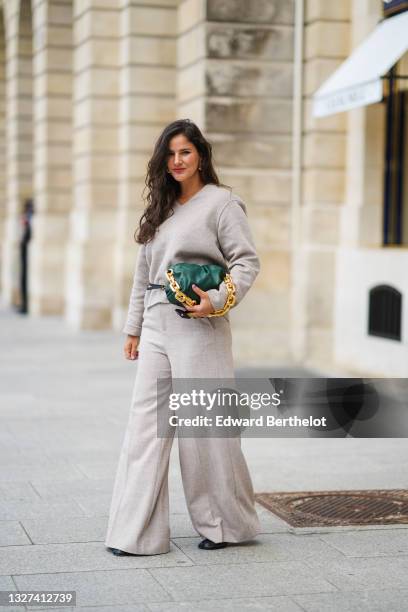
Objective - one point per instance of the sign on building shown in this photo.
(392, 7)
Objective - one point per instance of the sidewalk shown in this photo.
(64, 401)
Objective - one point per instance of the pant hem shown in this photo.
(131, 550)
(233, 539)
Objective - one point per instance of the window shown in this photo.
(395, 219)
(384, 312)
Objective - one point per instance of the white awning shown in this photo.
(357, 81)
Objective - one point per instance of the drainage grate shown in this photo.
(321, 508)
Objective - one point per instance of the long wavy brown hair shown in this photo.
(163, 190)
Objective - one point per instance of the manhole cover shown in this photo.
(321, 508)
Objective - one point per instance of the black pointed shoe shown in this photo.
(210, 545)
(122, 553)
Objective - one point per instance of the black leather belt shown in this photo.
(182, 313)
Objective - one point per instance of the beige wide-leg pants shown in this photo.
(216, 481)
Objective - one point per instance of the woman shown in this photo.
(190, 217)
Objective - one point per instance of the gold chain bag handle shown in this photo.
(183, 298)
(231, 298)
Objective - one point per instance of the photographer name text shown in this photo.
(260, 421)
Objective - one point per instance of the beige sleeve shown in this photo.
(238, 248)
(134, 318)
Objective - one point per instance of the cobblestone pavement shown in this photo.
(64, 399)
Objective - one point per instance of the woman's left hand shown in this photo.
(202, 309)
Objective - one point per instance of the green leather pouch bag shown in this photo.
(182, 276)
(187, 274)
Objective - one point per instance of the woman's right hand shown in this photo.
(130, 348)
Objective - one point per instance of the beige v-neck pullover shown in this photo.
(210, 228)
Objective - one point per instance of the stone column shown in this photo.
(90, 269)
(235, 63)
(147, 104)
(361, 221)
(326, 46)
(191, 61)
(19, 143)
(52, 63)
(2, 133)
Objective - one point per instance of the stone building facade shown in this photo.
(88, 85)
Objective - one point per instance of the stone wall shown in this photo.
(52, 139)
(90, 272)
(147, 102)
(235, 73)
(18, 136)
(326, 45)
(101, 79)
(2, 135)
(361, 216)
